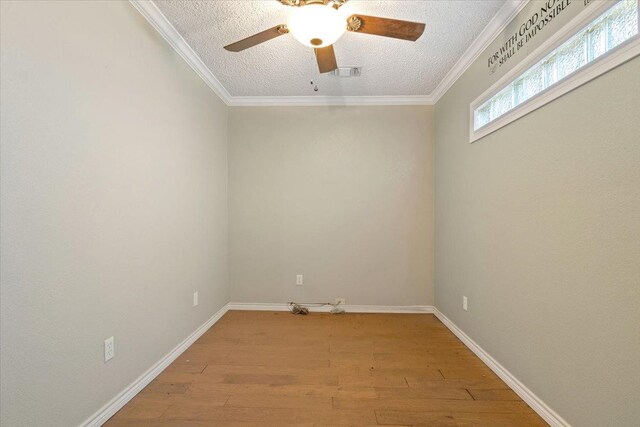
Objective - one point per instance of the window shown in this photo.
(612, 28)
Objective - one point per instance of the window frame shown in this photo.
(620, 54)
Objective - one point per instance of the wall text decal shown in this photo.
(529, 29)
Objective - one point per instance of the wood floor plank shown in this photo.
(468, 372)
(202, 353)
(142, 410)
(431, 405)
(167, 388)
(482, 383)
(260, 359)
(277, 369)
(266, 401)
(218, 370)
(285, 416)
(422, 393)
(498, 420)
(360, 425)
(195, 367)
(493, 394)
(284, 390)
(413, 418)
(279, 379)
(186, 377)
(373, 380)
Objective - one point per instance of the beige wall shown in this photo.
(342, 195)
(114, 205)
(538, 224)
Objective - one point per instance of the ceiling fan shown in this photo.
(318, 24)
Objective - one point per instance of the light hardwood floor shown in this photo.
(277, 369)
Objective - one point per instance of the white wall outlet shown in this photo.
(109, 349)
(464, 303)
(195, 298)
(339, 301)
(299, 279)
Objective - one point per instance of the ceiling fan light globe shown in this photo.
(316, 25)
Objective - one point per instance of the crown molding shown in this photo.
(156, 18)
(498, 23)
(309, 101)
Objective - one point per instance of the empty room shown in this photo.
(317, 213)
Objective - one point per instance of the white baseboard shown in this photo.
(541, 408)
(108, 410)
(325, 309)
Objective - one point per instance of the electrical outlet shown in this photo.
(339, 301)
(195, 298)
(464, 303)
(109, 349)
(299, 279)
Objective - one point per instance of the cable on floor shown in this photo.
(299, 308)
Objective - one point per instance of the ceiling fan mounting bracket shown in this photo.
(354, 23)
(299, 3)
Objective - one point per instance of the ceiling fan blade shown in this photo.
(256, 39)
(386, 27)
(326, 59)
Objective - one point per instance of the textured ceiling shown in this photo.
(284, 67)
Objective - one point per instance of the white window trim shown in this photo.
(609, 60)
